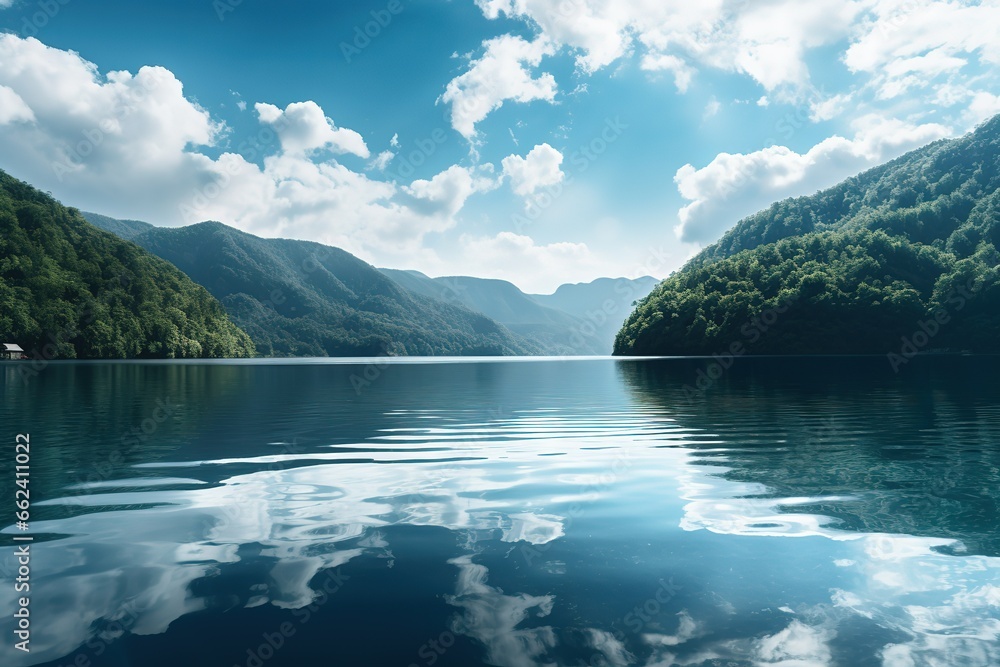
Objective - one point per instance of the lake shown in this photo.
(516, 513)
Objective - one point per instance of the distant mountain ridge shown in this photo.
(577, 319)
(126, 229)
(345, 307)
(602, 305)
(298, 298)
(502, 301)
(900, 259)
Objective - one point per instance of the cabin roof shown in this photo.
(11, 347)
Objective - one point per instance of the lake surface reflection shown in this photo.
(792, 512)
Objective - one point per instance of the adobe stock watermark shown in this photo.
(580, 160)
(93, 138)
(131, 440)
(793, 121)
(904, 12)
(194, 210)
(53, 347)
(235, 514)
(928, 329)
(251, 148)
(223, 7)
(41, 17)
(423, 150)
(365, 33)
(612, 308)
(619, 467)
(277, 297)
(432, 650)
(784, 129)
(112, 627)
(640, 617)
(643, 614)
(273, 641)
(752, 331)
(372, 371)
(451, 291)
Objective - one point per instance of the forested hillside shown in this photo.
(298, 298)
(70, 290)
(908, 249)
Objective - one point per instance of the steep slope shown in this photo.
(900, 259)
(70, 290)
(555, 331)
(297, 298)
(938, 194)
(421, 284)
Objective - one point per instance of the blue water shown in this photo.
(583, 512)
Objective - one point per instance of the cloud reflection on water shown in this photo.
(804, 468)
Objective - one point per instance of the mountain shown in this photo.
(577, 319)
(603, 304)
(555, 331)
(580, 299)
(126, 229)
(900, 259)
(70, 290)
(297, 298)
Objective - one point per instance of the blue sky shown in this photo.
(539, 141)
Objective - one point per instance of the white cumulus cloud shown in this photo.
(798, 645)
(12, 108)
(446, 193)
(502, 73)
(303, 127)
(766, 41)
(898, 50)
(733, 186)
(907, 44)
(381, 161)
(131, 145)
(538, 169)
(94, 137)
(682, 71)
(828, 108)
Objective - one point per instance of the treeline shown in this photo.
(298, 298)
(906, 250)
(70, 290)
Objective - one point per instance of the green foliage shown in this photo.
(859, 266)
(297, 298)
(70, 290)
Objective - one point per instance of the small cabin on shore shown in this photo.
(11, 351)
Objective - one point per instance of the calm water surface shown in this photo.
(802, 512)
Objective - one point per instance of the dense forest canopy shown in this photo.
(900, 259)
(298, 298)
(70, 290)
